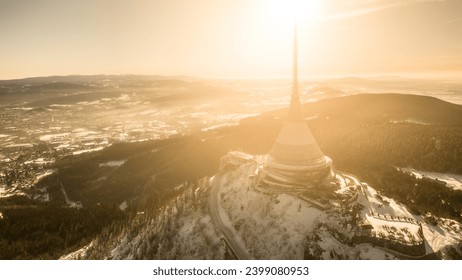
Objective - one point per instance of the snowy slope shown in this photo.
(276, 225)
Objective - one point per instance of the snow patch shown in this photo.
(87, 151)
(272, 227)
(413, 121)
(237, 116)
(61, 105)
(218, 126)
(70, 203)
(85, 133)
(48, 137)
(443, 234)
(123, 206)
(22, 145)
(453, 181)
(79, 254)
(114, 163)
(123, 97)
(43, 175)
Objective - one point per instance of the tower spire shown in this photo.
(294, 109)
(295, 161)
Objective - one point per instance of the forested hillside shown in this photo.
(368, 135)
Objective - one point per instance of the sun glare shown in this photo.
(276, 29)
(290, 10)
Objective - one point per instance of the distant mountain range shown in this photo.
(90, 82)
(91, 78)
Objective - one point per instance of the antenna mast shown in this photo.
(294, 109)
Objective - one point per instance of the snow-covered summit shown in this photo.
(227, 216)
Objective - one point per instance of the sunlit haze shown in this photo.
(229, 38)
(202, 130)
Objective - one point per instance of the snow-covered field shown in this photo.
(44, 174)
(388, 218)
(272, 226)
(445, 233)
(453, 181)
(87, 151)
(79, 254)
(115, 163)
(277, 225)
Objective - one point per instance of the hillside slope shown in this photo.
(367, 135)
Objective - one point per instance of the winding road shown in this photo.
(221, 221)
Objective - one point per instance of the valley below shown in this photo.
(120, 166)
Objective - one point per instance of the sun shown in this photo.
(290, 10)
(267, 38)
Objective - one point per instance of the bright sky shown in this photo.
(228, 38)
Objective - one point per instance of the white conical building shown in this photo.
(295, 160)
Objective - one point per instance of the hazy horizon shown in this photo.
(230, 39)
(438, 76)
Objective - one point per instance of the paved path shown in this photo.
(221, 221)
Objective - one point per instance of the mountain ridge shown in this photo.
(384, 106)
